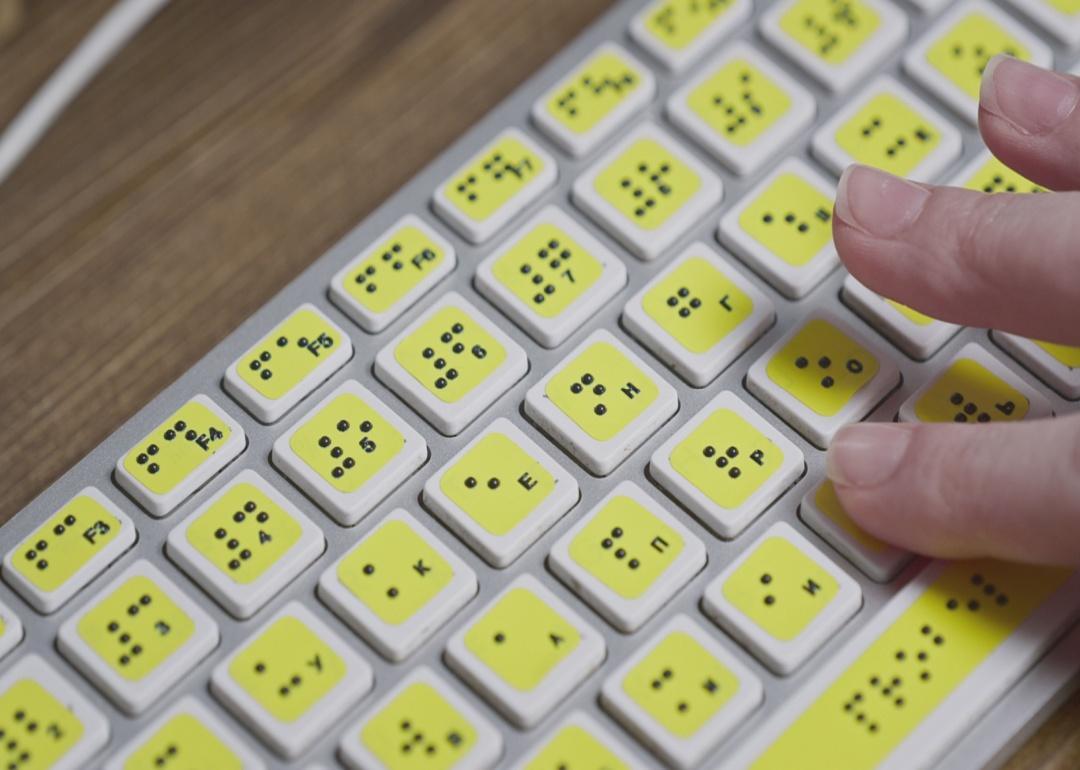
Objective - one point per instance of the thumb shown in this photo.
(1008, 490)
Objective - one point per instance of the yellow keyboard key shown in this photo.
(11, 630)
(245, 544)
(988, 174)
(180, 455)
(398, 585)
(349, 452)
(291, 680)
(71, 548)
(1058, 18)
(288, 364)
(494, 185)
(579, 742)
(681, 693)
(595, 99)
(1056, 365)
(421, 725)
(627, 557)
(918, 335)
(678, 32)
(138, 637)
(388, 277)
(525, 651)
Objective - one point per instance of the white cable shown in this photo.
(105, 40)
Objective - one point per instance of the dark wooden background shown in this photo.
(229, 145)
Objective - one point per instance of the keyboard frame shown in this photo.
(989, 744)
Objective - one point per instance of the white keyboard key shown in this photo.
(451, 364)
(594, 100)
(782, 228)
(886, 126)
(551, 276)
(647, 190)
(180, 455)
(949, 59)
(525, 651)
(822, 375)
(782, 598)
(742, 108)
(245, 544)
(918, 335)
(393, 273)
(349, 452)
(189, 734)
(138, 637)
(601, 402)
(500, 493)
(1056, 365)
(33, 694)
(291, 680)
(71, 548)
(397, 586)
(290, 362)
(681, 693)
(921, 672)
(11, 630)
(698, 315)
(985, 173)
(821, 511)
(495, 185)
(975, 387)
(421, 714)
(727, 465)
(837, 43)
(627, 557)
(679, 32)
(1059, 18)
(581, 738)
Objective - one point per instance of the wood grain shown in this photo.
(230, 144)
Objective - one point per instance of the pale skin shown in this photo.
(1010, 262)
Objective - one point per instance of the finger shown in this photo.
(1007, 261)
(1006, 490)
(1029, 119)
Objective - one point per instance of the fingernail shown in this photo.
(867, 454)
(878, 204)
(1031, 99)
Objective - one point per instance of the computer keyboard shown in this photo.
(528, 470)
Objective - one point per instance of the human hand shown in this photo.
(1011, 262)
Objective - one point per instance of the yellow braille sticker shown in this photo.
(593, 91)
(63, 545)
(678, 23)
(780, 588)
(493, 179)
(418, 730)
(574, 747)
(914, 316)
(450, 354)
(288, 354)
(993, 176)
(601, 390)
(497, 483)
(184, 743)
(287, 669)
(727, 458)
(347, 442)
(962, 53)
(889, 134)
(136, 628)
(647, 184)
(56, 730)
(969, 392)
(1067, 355)
(394, 267)
(791, 218)
(547, 270)
(739, 102)
(833, 30)
(917, 662)
(177, 447)
(822, 367)
(522, 639)
(829, 504)
(244, 533)
(626, 547)
(680, 684)
(395, 572)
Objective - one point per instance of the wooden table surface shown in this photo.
(229, 145)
